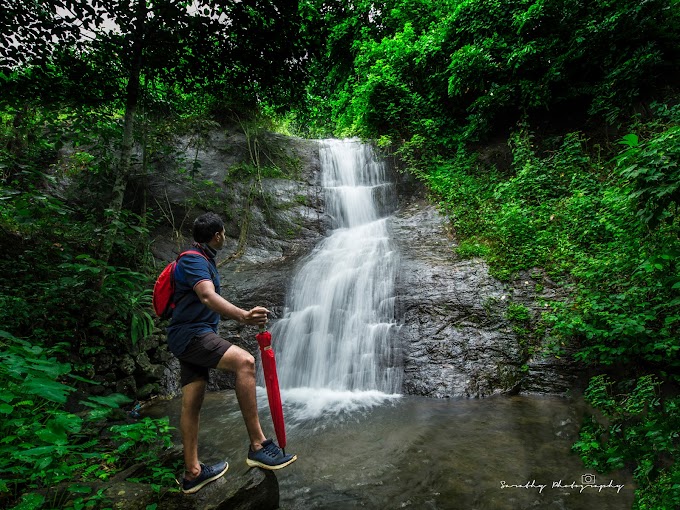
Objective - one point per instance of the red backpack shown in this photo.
(164, 288)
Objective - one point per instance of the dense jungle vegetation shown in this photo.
(547, 130)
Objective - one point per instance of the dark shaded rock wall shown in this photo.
(285, 221)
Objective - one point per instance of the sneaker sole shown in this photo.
(254, 463)
(205, 482)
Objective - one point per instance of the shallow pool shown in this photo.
(412, 452)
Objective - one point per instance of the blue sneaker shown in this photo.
(208, 474)
(270, 456)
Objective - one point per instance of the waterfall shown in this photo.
(335, 344)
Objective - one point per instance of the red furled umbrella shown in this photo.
(271, 379)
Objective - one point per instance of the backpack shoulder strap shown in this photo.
(196, 252)
(187, 252)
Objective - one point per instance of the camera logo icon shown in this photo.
(588, 479)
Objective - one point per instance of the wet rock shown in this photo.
(455, 335)
(552, 374)
(104, 362)
(256, 489)
(127, 364)
(149, 343)
(147, 391)
(285, 218)
(130, 495)
(127, 386)
(169, 383)
(162, 355)
(150, 372)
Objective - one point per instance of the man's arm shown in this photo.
(205, 290)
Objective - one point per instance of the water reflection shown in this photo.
(414, 452)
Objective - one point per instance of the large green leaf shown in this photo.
(30, 501)
(38, 451)
(50, 436)
(56, 429)
(46, 388)
(114, 400)
(50, 367)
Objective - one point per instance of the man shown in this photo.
(193, 339)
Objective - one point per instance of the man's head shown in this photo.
(209, 229)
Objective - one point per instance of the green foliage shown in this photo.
(517, 312)
(170, 46)
(638, 428)
(245, 171)
(464, 194)
(27, 23)
(472, 248)
(653, 168)
(576, 217)
(122, 312)
(463, 69)
(81, 295)
(605, 225)
(59, 288)
(135, 439)
(44, 445)
(64, 301)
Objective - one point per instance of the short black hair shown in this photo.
(206, 226)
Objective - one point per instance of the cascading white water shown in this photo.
(334, 345)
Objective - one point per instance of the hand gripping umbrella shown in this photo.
(271, 379)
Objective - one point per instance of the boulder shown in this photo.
(256, 489)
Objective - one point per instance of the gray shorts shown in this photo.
(203, 353)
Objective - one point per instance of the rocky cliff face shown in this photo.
(274, 214)
(455, 332)
(272, 202)
(456, 335)
(270, 221)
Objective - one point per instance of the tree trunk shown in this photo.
(125, 160)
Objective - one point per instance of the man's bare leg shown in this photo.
(242, 363)
(192, 400)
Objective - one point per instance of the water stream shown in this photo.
(335, 343)
(360, 443)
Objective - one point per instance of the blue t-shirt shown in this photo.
(191, 317)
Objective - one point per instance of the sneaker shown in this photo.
(270, 456)
(208, 474)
